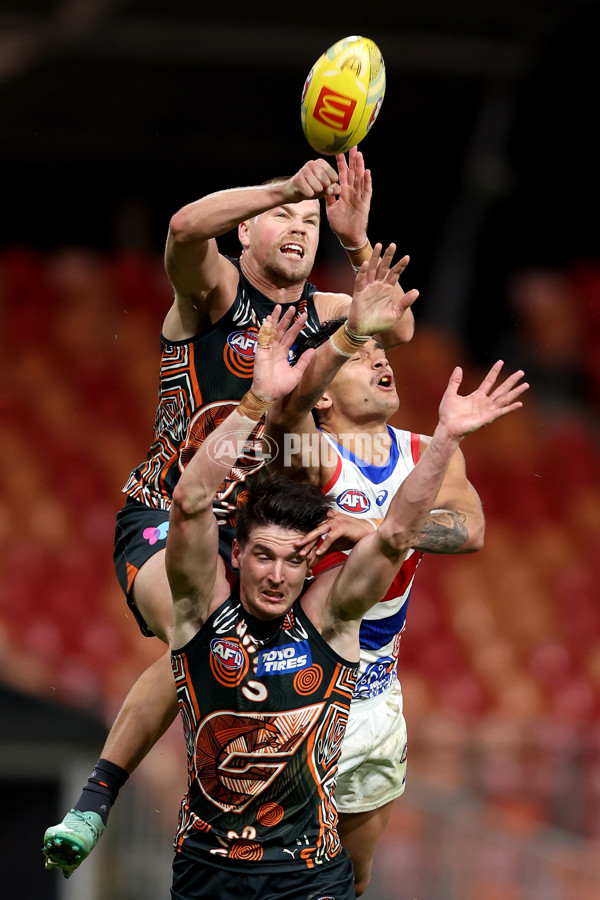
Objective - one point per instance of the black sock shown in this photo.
(102, 789)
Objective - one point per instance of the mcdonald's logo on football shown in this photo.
(334, 109)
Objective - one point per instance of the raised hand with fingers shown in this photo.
(273, 376)
(376, 305)
(338, 532)
(348, 212)
(459, 416)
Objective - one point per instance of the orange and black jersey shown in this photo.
(264, 707)
(201, 380)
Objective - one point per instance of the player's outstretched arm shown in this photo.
(198, 223)
(192, 543)
(375, 560)
(457, 523)
(203, 280)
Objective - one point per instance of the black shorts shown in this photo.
(141, 532)
(193, 880)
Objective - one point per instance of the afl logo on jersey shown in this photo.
(353, 501)
(229, 653)
(243, 342)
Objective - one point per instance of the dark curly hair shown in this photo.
(277, 500)
(318, 337)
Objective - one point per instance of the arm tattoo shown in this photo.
(444, 531)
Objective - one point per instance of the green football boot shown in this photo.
(67, 845)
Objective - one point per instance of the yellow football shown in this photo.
(342, 95)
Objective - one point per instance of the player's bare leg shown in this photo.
(360, 833)
(137, 717)
(148, 710)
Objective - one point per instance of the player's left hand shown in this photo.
(459, 416)
(338, 532)
(273, 376)
(348, 212)
(376, 305)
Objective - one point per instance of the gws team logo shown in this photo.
(229, 661)
(288, 658)
(158, 533)
(238, 755)
(353, 501)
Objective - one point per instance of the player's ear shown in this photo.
(235, 554)
(244, 234)
(325, 402)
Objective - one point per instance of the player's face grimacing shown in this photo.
(365, 384)
(284, 240)
(272, 573)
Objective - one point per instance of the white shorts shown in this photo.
(372, 765)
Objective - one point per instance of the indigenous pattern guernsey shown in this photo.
(366, 491)
(263, 737)
(201, 380)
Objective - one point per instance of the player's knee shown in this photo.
(362, 877)
(361, 886)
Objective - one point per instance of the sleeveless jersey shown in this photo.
(201, 381)
(364, 490)
(263, 721)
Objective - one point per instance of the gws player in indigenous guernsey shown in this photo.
(265, 672)
(208, 341)
(360, 462)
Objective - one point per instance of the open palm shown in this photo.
(348, 213)
(462, 415)
(376, 306)
(273, 376)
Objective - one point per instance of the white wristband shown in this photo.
(361, 338)
(338, 351)
(354, 249)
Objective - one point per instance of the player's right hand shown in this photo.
(314, 180)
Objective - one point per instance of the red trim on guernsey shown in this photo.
(328, 562)
(415, 445)
(334, 477)
(404, 576)
(398, 585)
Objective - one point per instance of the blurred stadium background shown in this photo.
(113, 113)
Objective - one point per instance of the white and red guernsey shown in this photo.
(364, 490)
